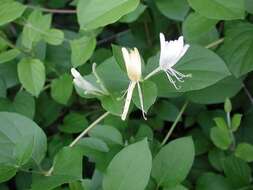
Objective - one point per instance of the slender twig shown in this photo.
(213, 44)
(89, 128)
(230, 131)
(175, 123)
(50, 171)
(248, 94)
(56, 11)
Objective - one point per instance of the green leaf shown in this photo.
(61, 89)
(220, 10)
(209, 94)
(236, 121)
(31, 73)
(54, 36)
(8, 55)
(65, 159)
(10, 10)
(21, 140)
(2, 88)
(211, 181)
(74, 123)
(199, 29)
(205, 67)
(149, 94)
(166, 110)
(113, 104)
(130, 168)
(173, 162)
(178, 187)
(89, 144)
(173, 9)
(134, 15)
(82, 49)
(221, 137)
(36, 26)
(216, 158)
(236, 48)
(249, 6)
(107, 133)
(237, 172)
(220, 122)
(244, 151)
(92, 14)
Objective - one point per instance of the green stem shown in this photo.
(175, 123)
(58, 11)
(231, 132)
(213, 44)
(89, 128)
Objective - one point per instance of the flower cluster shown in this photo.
(171, 52)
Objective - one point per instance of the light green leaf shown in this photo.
(236, 48)
(199, 29)
(74, 123)
(54, 36)
(65, 159)
(8, 55)
(31, 73)
(130, 168)
(209, 95)
(3, 88)
(211, 181)
(178, 187)
(113, 104)
(174, 161)
(10, 10)
(92, 14)
(244, 151)
(61, 89)
(216, 158)
(36, 26)
(236, 122)
(21, 140)
(107, 133)
(249, 6)
(220, 10)
(221, 137)
(149, 94)
(173, 9)
(134, 15)
(237, 171)
(82, 49)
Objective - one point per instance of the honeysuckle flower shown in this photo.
(85, 85)
(133, 66)
(171, 53)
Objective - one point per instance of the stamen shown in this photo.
(141, 100)
(128, 99)
(171, 80)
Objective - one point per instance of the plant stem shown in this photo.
(248, 94)
(89, 128)
(50, 171)
(58, 11)
(175, 123)
(230, 131)
(215, 43)
(152, 73)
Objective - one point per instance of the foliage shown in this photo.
(63, 81)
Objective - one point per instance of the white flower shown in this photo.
(80, 82)
(171, 53)
(133, 66)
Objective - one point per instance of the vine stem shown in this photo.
(175, 123)
(248, 93)
(57, 11)
(215, 43)
(230, 131)
(73, 143)
(89, 128)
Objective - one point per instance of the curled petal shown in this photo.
(128, 99)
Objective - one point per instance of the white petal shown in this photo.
(75, 73)
(128, 99)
